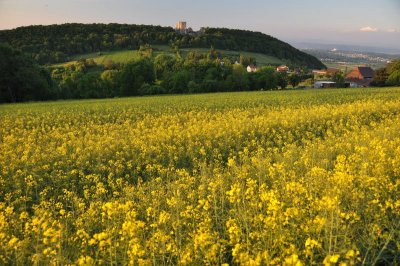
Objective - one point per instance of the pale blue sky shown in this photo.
(363, 22)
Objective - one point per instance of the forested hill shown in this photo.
(241, 40)
(55, 43)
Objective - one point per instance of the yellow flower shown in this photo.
(13, 243)
(292, 260)
(86, 261)
(331, 260)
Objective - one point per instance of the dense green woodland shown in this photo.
(55, 43)
(388, 76)
(162, 74)
(21, 79)
(24, 79)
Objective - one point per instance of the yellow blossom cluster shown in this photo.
(255, 178)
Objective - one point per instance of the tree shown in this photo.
(145, 51)
(134, 75)
(268, 78)
(148, 89)
(245, 60)
(21, 79)
(210, 85)
(212, 73)
(212, 54)
(163, 63)
(294, 79)
(394, 78)
(90, 86)
(282, 80)
(264, 78)
(339, 79)
(193, 87)
(380, 78)
(110, 80)
(394, 74)
(177, 82)
(109, 64)
(238, 79)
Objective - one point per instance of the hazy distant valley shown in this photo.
(342, 59)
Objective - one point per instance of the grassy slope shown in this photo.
(261, 59)
(123, 56)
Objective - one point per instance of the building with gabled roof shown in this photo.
(360, 77)
(361, 73)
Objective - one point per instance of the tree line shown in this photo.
(162, 74)
(388, 76)
(21, 79)
(56, 43)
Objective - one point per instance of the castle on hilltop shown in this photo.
(182, 28)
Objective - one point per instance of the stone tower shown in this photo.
(181, 25)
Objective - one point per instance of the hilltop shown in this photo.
(59, 43)
(116, 60)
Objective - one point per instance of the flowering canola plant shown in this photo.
(255, 178)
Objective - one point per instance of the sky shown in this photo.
(354, 22)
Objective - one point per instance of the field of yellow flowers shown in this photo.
(256, 178)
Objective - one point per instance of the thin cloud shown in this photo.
(392, 30)
(368, 29)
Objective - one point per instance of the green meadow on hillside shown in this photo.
(124, 56)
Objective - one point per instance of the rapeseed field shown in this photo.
(252, 178)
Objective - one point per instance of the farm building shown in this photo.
(360, 77)
(324, 84)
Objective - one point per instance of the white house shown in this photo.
(251, 68)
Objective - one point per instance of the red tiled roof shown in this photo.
(282, 68)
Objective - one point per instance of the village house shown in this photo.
(282, 68)
(252, 68)
(360, 77)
